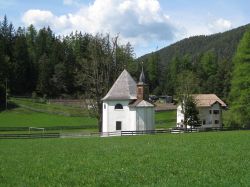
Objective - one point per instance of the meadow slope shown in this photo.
(28, 113)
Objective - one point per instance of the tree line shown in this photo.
(40, 63)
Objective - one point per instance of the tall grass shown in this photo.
(197, 159)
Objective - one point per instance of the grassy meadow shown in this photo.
(22, 117)
(33, 114)
(165, 119)
(195, 159)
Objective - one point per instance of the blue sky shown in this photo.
(147, 24)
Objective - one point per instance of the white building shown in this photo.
(210, 111)
(126, 106)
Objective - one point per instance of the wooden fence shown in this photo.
(126, 133)
(108, 134)
(29, 136)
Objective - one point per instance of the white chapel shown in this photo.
(126, 106)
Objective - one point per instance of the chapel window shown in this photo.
(118, 106)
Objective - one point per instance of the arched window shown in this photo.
(118, 106)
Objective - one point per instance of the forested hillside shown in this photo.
(39, 63)
(206, 60)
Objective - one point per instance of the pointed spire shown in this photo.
(142, 87)
(142, 76)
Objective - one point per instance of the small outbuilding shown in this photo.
(126, 106)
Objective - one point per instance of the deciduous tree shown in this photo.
(240, 85)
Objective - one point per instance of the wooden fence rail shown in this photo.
(29, 136)
(108, 134)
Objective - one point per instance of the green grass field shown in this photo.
(165, 119)
(50, 108)
(51, 115)
(195, 159)
(21, 117)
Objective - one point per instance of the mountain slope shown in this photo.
(224, 44)
(207, 59)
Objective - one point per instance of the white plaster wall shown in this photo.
(150, 118)
(204, 114)
(145, 118)
(180, 116)
(104, 117)
(111, 115)
(131, 121)
(140, 119)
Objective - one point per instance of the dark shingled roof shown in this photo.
(123, 88)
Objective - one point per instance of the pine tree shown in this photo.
(152, 70)
(190, 112)
(240, 85)
(21, 65)
(44, 78)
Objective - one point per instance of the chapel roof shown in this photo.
(123, 88)
(141, 103)
(206, 100)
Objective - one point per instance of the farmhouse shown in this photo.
(210, 111)
(126, 106)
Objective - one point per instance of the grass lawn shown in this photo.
(21, 117)
(33, 114)
(27, 115)
(165, 119)
(197, 159)
(50, 108)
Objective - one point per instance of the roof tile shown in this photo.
(123, 88)
(206, 100)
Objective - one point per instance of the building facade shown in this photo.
(126, 106)
(210, 109)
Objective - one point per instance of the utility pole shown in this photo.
(6, 95)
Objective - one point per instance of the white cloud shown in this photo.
(201, 25)
(41, 18)
(137, 21)
(220, 25)
(38, 17)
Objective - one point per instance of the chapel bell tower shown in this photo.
(142, 88)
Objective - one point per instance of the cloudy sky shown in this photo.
(147, 24)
